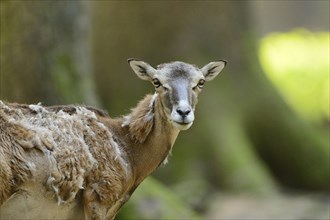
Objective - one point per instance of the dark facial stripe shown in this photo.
(181, 91)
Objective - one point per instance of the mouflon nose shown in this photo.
(183, 112)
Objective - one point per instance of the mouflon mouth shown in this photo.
(182, 125)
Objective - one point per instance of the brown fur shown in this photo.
(80, 150)
(83, 159)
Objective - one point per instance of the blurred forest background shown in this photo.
(259, 147)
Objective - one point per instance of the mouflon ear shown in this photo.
(142, 69)
(212, 69)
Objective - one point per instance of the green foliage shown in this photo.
(298, 64)
(153, 200)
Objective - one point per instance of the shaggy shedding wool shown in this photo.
(78, 156)
(75, 142)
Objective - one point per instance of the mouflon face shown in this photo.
(178, 85)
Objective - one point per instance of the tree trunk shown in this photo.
(45, 52)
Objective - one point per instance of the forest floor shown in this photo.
(282, 207)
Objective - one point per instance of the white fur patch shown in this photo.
(37, 108)
(127, 121)
(153, 99)
(119, 155)
(32, 166)
(150, 115)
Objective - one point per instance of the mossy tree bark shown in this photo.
(45, 52)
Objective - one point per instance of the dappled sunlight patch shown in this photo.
(297, 63)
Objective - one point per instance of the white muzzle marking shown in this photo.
(182, 115)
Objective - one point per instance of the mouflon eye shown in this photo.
(156, 83)
(201, 83)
